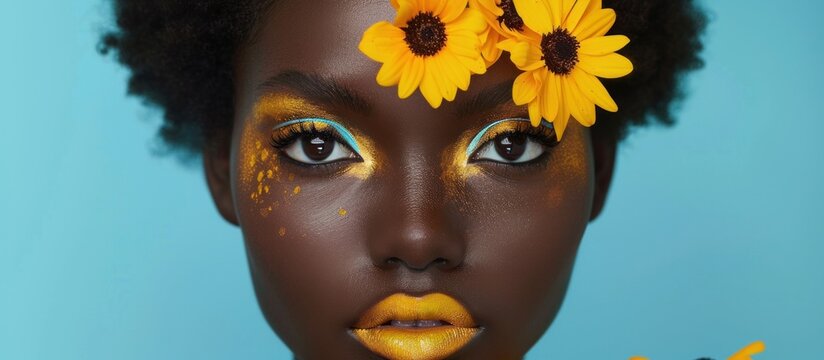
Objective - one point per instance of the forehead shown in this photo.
(321, 37)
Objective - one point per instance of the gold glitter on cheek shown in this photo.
(282, 231)
(342, 212)
(296, 190)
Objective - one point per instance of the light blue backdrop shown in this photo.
(712, 237)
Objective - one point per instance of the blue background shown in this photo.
(711, 239)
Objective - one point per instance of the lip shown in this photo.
(443, 326)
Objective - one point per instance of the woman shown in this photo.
(408, 222)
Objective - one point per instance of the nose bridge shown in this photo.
(417, 226)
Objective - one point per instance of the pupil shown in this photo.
(510, 146)
(318, 148)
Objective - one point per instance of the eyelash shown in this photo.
(285, 136)
(541, 134)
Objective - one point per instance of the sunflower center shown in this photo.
(425, 34)
(560, 50)
(510, 18)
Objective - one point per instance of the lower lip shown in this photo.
(418, 343)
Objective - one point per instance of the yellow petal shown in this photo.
(507, 44)
(463, 43)
(390, 72)
(429, 87)
(551, 96)
(594, 24)
(489, 6)
(451, 9)
(581, 108)
(454, 70)
(475, 64)
(575, 12)
(536, 14)
(525, 88)
(603, 45)
(394, 4)
(407, 9)
(534, 108)
(381, 40)
(447, 88)
(560, 123)
(609, 66)
(593, 90)
(489, 50)
(411, 77)
(470, 20)
(525, 56)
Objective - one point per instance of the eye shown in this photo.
(315, 141)
(510, 148)
(512, 141)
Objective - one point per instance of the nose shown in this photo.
(416, 224)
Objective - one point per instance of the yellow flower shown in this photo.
(434, 45)
(562, 59)
(504, 22)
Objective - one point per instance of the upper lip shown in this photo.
(403, 307)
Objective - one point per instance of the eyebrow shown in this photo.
(317, 89)
(486, 100)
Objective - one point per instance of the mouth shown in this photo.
(403, 327)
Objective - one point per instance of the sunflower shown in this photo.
(562, 58)
(504, 22)
(434, 45)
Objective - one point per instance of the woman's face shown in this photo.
(346, 194)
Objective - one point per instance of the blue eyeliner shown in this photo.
(474, 143)
(345, 134)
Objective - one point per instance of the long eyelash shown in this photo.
(285, 136)
(542, 134)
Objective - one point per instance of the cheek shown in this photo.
(524, 238)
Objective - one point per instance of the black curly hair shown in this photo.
(181, 56)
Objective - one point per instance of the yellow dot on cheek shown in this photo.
(282, 231)
(342, 212)
(264, 155)
(269, 174)
(260, 176)
(296, 190)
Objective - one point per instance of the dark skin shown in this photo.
(410, 214)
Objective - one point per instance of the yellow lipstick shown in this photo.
(402, 327)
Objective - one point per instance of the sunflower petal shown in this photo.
(489, 50)
(603, 45)
(581, 108)
(390, 72)
(469, 20)
(525, 88)
(411, 77)
(463, 43)
(534, 109)
(429, 87)
(560, 123)
(525, 56)
(407, 9)
(451, 9)
(475, 64)
(454, 70)
(594, 24)
(550, 96)
(575, 12)
(594, 90)
(609, 66)
(537, 14)
(447, 88)
(381, 40)
(394, 4)
(488, 6)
